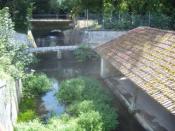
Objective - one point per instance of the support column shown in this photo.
(107, 69)
(134, 100)
(59, 54)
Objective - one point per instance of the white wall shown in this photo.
(90, 37)
(10, 92)
(100, 37)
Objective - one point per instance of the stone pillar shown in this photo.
(107, 69)
(134, 100)
(59, 54)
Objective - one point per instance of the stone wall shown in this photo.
(10, 92)
(90, 37)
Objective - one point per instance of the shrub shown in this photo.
(90, 121)
(88, 109)
(34, 125)
(92, 98)
(71, 90)
(27, 103)
(27, 115)
(84, 53)
(27, 109)
(94, 91)
(64, 123)
(13, 58)
(35, 85)
(80, 107)
(109, 116)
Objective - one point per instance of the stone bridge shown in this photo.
(52, 23)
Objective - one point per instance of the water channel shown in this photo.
(68, 67)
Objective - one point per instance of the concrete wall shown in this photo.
(10, 92)
(90, 37)
(80, 24)
(100, 37)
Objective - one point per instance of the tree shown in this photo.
(13, 59)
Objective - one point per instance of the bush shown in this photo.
(80, 107)
(88, 109)
(34, 125)
(71, 90)
(27, 103)
(109, 116)
(27, 109)
(90, 121)
(84, 53)
(27, 116)
(35, 85)
(13, 58)
(64, 123)
(91, 98)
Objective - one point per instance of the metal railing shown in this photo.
(119, 21)
(50, 16)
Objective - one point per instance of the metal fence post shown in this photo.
(149, 17)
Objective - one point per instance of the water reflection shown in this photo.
(58, 70)
(50, 102)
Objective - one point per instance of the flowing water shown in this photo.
(50, 103)
(59, 70)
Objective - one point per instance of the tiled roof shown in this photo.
(147, 57)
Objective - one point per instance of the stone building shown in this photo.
(139, 66)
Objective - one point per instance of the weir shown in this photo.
(51, 49)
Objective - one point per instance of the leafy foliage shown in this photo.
(93, 99)
(71, 90)
(27, 109)
(26, 116)
(90, 121)
(35, 84)
(13, 59)
(34, 125)
(85, 53)
(90, 112)
(21, 12)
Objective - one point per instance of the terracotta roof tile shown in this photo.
(146, 56)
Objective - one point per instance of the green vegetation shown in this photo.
(91, 110)
(13, 59)
(26, 116)
(116, 14)
(27, 110)
(71, 90)
(35, 85)
(21, 12)
(85, 53)
(89, 98)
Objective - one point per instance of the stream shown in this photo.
(57, 71)
(68, 67)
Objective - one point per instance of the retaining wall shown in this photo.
(10, 93)
(90, 37)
